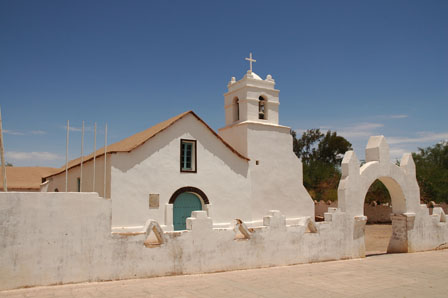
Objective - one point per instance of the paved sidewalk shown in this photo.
(398, 275)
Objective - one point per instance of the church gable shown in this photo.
(130, 143)
(179, 144)
(186, 154)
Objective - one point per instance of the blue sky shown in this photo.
(360, 68)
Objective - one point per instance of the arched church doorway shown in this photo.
(186, 200)
(377, 208)
(185, 203)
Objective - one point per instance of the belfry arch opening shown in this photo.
(236, 109)
(262, 111)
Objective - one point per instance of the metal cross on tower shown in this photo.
(250, 61)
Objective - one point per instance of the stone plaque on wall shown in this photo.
(153, 201)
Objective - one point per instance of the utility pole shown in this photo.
(105, 154)
(66, 157)
(82, 156)
(5, 186)
(94, 156)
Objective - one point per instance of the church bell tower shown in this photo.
(252, 128)
(249, 103)
(251, 99)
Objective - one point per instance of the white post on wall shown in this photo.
(105, 155)
(66, 157)
(82, 157)
(94, 155)
(5, 186)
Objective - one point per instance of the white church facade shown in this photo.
(182, 165)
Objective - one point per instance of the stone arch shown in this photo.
(192, 189)
(393, 184)
(400, 181)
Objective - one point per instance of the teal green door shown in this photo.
(184, 204)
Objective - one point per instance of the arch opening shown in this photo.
(377, 208)
(380, 239)
(186, 200)
(262, 112)
(192, 189)
(236, 109)
(397, 198)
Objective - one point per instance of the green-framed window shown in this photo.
(188, 156)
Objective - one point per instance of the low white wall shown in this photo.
(427, 232)
(54, 238)
(48, 238)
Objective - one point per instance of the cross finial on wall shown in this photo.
(250, 61)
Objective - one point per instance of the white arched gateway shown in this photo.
(413, 228)
(401, 181)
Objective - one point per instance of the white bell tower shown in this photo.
(252, 127)
(251, 99)
(250, 103)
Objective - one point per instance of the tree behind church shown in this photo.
(321, 155)
(432, 172)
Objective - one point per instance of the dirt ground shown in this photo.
(377, 238)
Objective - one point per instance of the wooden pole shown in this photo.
(94, 155)
(2, 149)
(82, 157)
(66, 157)
(105, 157)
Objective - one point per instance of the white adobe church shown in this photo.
(182, 165)
(172, 194)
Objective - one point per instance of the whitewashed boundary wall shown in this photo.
(413, 229)
(56, 238)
